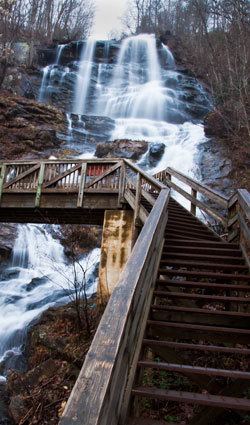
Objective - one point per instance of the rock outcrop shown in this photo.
(130, 149)
(27, 128)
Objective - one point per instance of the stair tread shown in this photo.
(199, 347)
(204, 285)
(183, 368)
(198, 264)
(215, 329)
(200, 297)
(200, 311)
(205, 274)
(194, 398)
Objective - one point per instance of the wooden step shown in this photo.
(204, 244)
(205, 257)
(202, 250)
(186, 229)
(204, 399)
(203, 285)
(201, 316)
(203, 265)
(204, 298)
(177, 233)
(196, 347)
(195, 370)
(147, 421)
(204, 329)
(205, 274)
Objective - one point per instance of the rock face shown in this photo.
(28, 128)
(7, 239)
(130, 149)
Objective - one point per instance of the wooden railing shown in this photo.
(102, 391)
(212, 202)
(239, 220)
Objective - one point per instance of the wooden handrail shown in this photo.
(196, 187)
(102, 390)
(202, 188)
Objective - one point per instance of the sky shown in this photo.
(107, 17)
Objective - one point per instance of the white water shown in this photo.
(83, 77)
(38, 278)
(48, 72)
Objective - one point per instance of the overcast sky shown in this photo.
(107, 17)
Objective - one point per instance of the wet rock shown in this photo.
(37, 281)
(8, 234)
(155, 153)
(130, 149)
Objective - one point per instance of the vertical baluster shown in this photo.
(193, 206)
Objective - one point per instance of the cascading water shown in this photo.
(47, 71)
(38, 278)
(83, 77)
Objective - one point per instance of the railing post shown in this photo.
(232, 218)
(39, 185)
(193, 206)
(2, 176)
(122, 183)
(137, 200)
(82, 184)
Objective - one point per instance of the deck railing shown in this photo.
(102, 391)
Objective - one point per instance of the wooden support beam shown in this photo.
(39, 185)
(81, 186)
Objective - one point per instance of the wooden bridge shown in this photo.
(175, 335)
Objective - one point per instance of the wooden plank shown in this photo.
(39, 185)
(137, 199)
(61, 176)
(2, 177)
(148, 196)
(21, 176)
(102, 176)
(196, 370)
(244, 201)
(100, 388)
(130, 198)
(205, 190)
(82, 184)
(194, 398)
(122, 183)
(193, 206)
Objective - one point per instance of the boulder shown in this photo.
(155, 153)
(130, 149)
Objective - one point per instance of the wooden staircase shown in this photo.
(194, 359)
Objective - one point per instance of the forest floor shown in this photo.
(55, 353)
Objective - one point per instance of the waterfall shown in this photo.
(59, 51)
(38, 278)
(169, 57)
(47, 73)
(44, 84)
(84, 77)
